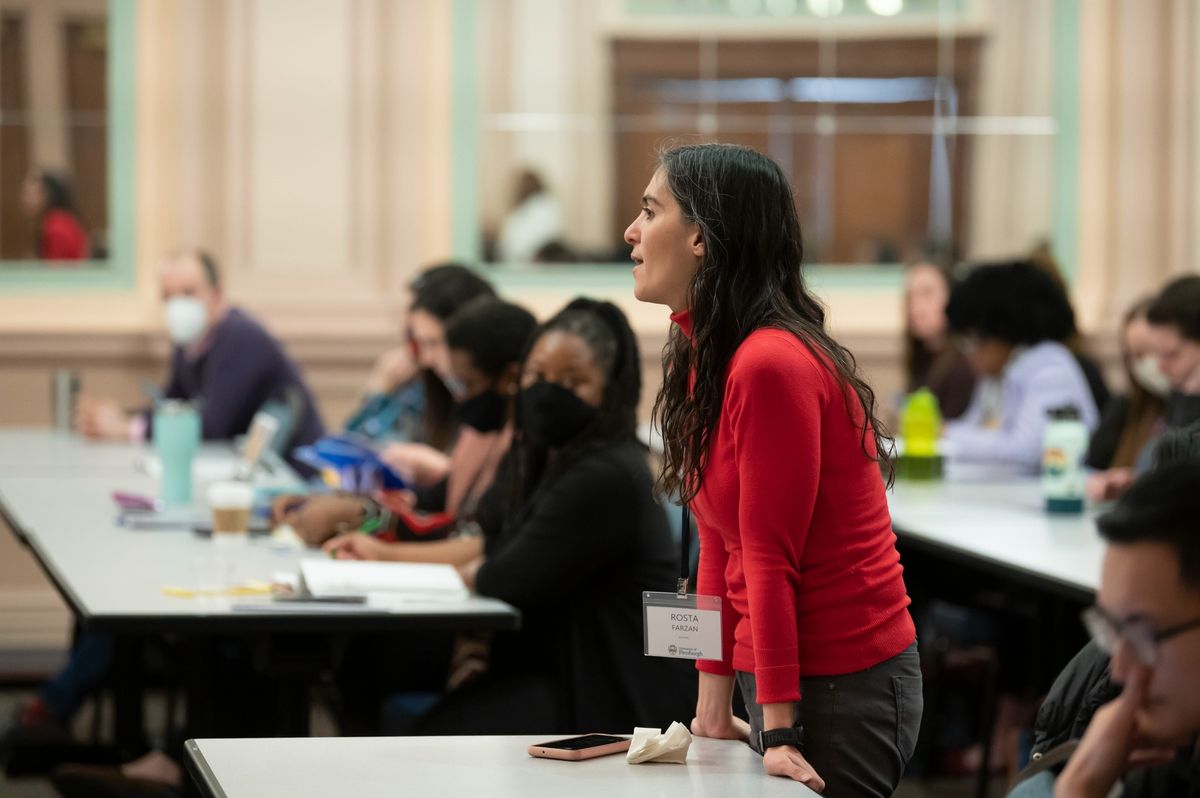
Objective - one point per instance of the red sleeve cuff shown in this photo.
(777, 685)
(715, 667)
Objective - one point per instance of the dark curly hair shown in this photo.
(440, 290)
(750, 277)
(1012, 301)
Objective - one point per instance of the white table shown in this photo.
(113, 577)
(41, 448)
(384, 767)
(1001, 525)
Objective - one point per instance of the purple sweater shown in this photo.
(240, 370)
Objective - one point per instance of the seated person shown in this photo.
(59, 236)
(932, 357)
(404, 398)
(220, 355)
(1147, 619)
(485, 341)
(1131, 423)
(1174, 316)
(1043, 258)
(1011, 320)
(572, 544)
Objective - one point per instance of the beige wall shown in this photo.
(321, 203)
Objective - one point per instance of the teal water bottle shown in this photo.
(176, 440)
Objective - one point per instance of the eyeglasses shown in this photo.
(1137, 634)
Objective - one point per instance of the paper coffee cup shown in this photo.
(231, 504)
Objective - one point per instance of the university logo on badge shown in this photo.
(681, 626)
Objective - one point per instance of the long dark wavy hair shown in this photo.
(606, 332)
(750, 277)
(440, 291)
(1145, 411)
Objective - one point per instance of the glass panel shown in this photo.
(897, 120)
(54, 148)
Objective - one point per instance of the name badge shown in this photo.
(683, 627)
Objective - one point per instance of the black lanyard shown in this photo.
(685, 545)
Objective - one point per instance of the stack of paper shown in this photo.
(395, 580)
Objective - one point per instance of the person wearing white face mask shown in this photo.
(221, 355)
(1133, 422)
(1175, 318)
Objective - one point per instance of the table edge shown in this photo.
(202, 775)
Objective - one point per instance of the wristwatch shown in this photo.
(773, 738)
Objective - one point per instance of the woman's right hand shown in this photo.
(355, 546)
(727, 728)
(1104, 486)
(285, 505)
(714, 709)
(319, 518)
(393, 368)
(418, 463)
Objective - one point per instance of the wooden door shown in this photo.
(863, 192)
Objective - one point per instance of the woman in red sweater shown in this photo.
(58, 236)
(770, 435)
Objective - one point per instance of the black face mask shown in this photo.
(485, 412)
(552, 415)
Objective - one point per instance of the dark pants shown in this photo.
(860, 729)
(89, 665)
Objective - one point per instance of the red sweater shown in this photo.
(795, 533)
(61, 237)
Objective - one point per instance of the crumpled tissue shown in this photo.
(648, 745)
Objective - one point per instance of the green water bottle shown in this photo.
(921, 428)
(176, 441)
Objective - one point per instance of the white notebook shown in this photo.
(415, 581)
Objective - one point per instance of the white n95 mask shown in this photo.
(1148, 375)
(186, 319)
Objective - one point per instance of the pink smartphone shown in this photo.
(589, 746)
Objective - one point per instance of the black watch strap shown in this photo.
(773, 738)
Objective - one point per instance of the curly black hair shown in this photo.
(1012, 301)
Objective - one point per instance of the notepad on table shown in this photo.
(396, 580)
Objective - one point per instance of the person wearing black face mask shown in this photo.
(573, 536)
(485, 341)
(485, 412)
(552, 415)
